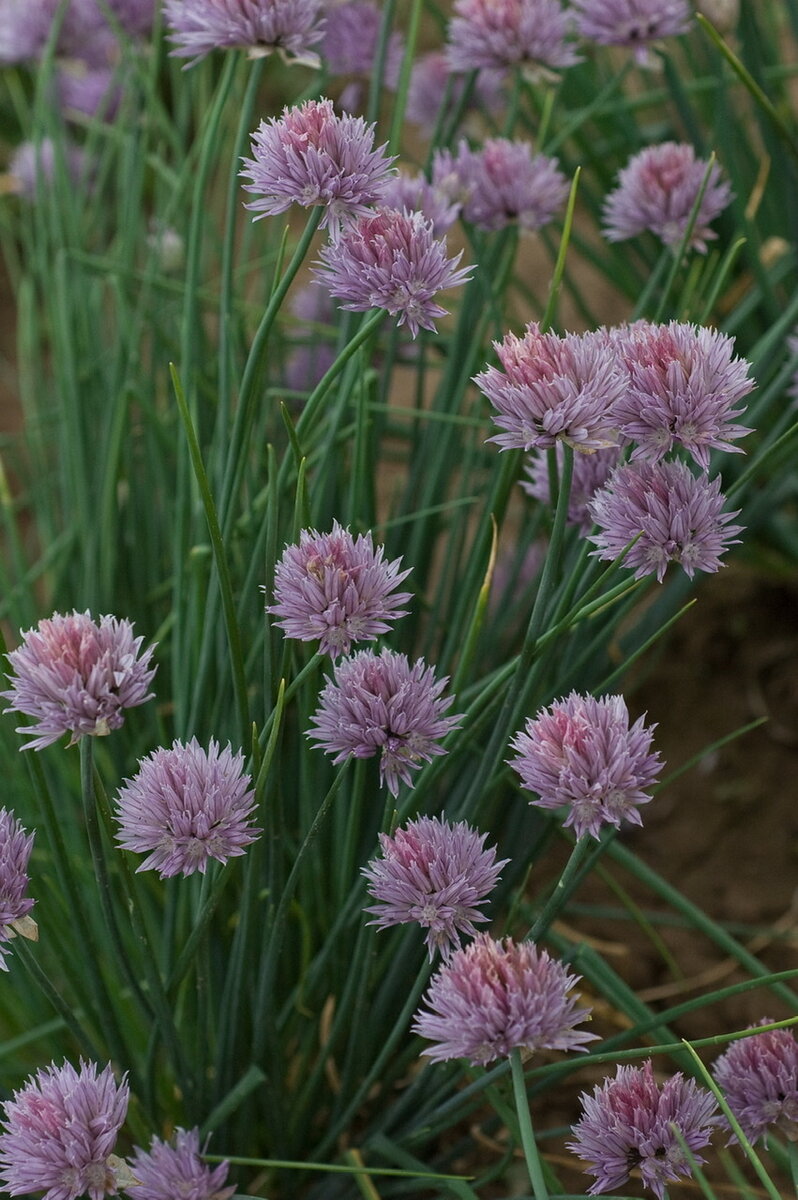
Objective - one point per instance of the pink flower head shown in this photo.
(658, 189)
(261, 27)
(530, 34)
(436, 874)
(583, 755)
(680, 519)
(493, 997)
(628, 1122)
(685, 386)
(414, 193)
(351, 37)
(338, 589)
(60, 1131)
(432, 80)
(380, 704)
(503, 182)
(632, 23)
(185, 806)
(35, 167)
(759, 1077)
(391, 260)
(553, 389)
(85, 32)
(591, 472)
(174, 1171)
(311, 156)
(15, 905)
(73, 675)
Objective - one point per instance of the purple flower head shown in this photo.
(76, 676)
(685, 386)
(92, 91)
(503, 182)
(632, 23)
(492, 997)
(430, 80)
(414, 193)
(338, 589)
(351, 37)
(185, 806)
(591, 472)
(759, 1077)
(34, 168)
(678, 516)
(172, 1170)
(658, 189)
(436, 874)
(15, 905)
(391, 260)
(627, 1123)
(60, 1131)
(85, 32)
(261, 27)
(380, 704)
(530, 34)
(582, 754)
(553, 389)
(310, 156)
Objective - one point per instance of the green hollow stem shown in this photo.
(563, 890)
(533, 1163)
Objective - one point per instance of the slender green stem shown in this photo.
(533, 1163)
(568, 881)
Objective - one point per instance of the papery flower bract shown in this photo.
(261, 27)
(311, 156)
(391, 260)
(759, 1078)
(632, 23)
(581, 753)
(59, 1134)
(627, 1123)
(337, 589)
(437, 874)
(493, 997)
(186, 805)
(680, 519)
(74, 675)
(504, 182)
(658, 189)
(174, 1171)
(553, 389)
(530, 34)
(590, 472)
(380, 704)
(15, 848)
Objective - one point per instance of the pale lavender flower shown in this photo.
(628, 1122)
(311, 156)
(685, 386)
(92, 91)
(759, 1077)
(74, 675)
(351, 37)
(185, 806)
(35, 166)
(531, 34)
(432, 79)
(553, 389)
(60, 1131)
(15, 905)
(261, 27)
(380, 704)
(172, 1170)
(436, 874)
(493, 997)
(632, 23)
(338, 589)
(504, 182)
(391, 260)
(679, 516)
(582, 754)
(414, 193)
(315, 353)
(85, 32)
(658, 189)
(590, 472)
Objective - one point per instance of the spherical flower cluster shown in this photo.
(629, 1122)
(493, 997)
(380, 704)
(759, 1077)
(15, 905)
(582, 754)
(590, 472)
(553, 389)
(436, 874)
(338, 589)
(432, 85)
(85, 33)
(414, 193)
(59, 1134)
(185, 806)
(658, 190)
(169, 1171)
(351, 38)
(261, 27)
(675, 517)
(531, 34)
(73, 675)
(632, 23)
(311, 156)
(504, 182)
(392, 260)
(35, 166)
